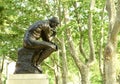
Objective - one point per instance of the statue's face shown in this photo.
(53, 25)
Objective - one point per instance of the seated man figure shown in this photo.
(38, 37)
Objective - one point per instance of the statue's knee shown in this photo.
(54, 47)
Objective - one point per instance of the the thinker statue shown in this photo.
(37, 46)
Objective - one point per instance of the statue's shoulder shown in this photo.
(42, 24)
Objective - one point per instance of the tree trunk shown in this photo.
(64, 63)
(83, 67)
(101, 45)
(0, 78)
(1, 70)
(118, 79)
(109, 64)
(57, 74)
(85, 74)
(110, 49)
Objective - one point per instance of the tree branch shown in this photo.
(72, 49)
(90, 34)
(82, 51)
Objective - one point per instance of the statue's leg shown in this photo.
(35, 44)
(42, 50)
(36, 56)
(40, 46)
(46, 53)
(39, 56)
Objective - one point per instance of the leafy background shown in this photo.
(17, 15)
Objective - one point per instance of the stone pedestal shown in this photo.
(27, 79)
(24, 64)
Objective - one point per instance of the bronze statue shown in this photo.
(37, 45)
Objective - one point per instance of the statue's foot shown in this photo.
(38, 69)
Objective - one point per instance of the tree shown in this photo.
(110, 49)
(84, 68)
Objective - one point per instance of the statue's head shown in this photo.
(54, 21)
